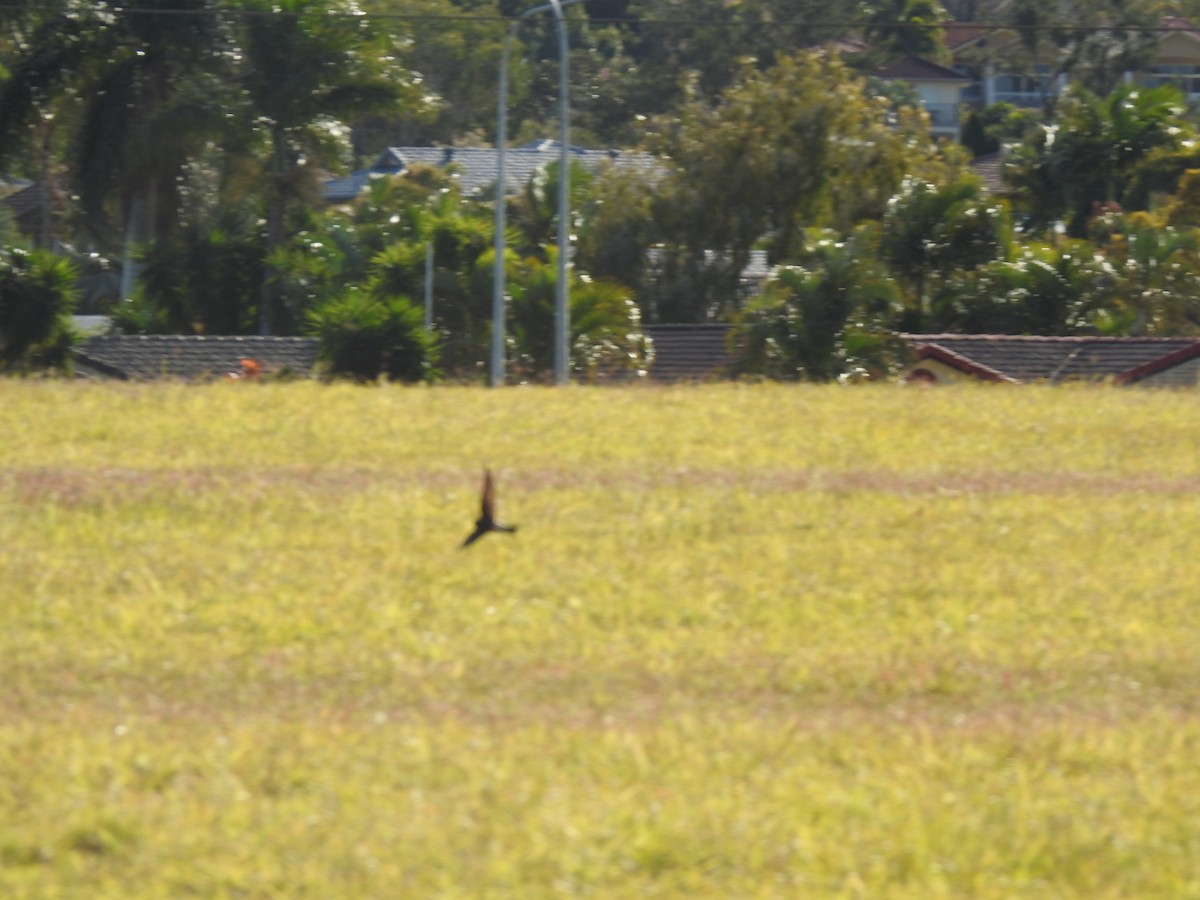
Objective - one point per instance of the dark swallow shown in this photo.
(487, 520)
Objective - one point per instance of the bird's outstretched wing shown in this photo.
(474, 536)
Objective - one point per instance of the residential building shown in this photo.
(940, 91)
(1176, 60)
(1000, 69)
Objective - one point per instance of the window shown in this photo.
(1024, 90)
(1184, 77)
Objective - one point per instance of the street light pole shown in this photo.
(562, 320)
(496, 369)
(562, 312)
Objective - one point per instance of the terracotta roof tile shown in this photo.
(957, 34)
(914, 68)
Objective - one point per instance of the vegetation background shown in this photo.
(753, 641)
(181, 178)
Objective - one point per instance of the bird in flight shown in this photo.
(487, 520)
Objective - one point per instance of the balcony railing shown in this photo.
(1024, 99)
(1188, 83)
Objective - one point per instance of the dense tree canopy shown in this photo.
(800, 144)
(1090, 154)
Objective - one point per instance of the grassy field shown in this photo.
(750, 642)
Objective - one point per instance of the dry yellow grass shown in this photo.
(751, 641)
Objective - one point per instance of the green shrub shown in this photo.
(37, 294)
(366, 337)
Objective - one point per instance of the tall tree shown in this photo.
(310, 68)
(145, 83)
(799, 145)
(677, 48)
(455, 46)
(906, 27)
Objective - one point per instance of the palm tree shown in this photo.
(826, 318)
(143, 89)
(1092, 154)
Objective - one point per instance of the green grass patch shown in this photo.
(750, 641)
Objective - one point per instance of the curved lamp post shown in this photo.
(562, 322)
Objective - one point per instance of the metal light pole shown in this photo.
(429, 286)
(496, 368)
(562, 312)
(562, 320)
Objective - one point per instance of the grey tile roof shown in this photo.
(27, 200)
(1025, 358)
(689, 352)
(191, 357)
(1183, 374)
(475, 168)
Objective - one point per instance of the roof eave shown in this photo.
(963, 364)
(1170, 360)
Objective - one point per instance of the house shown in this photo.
(997, 67)
(1021, 359)
(475, 168)
(144, 357)
(1000, 70)
(938, 88)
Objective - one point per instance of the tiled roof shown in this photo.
(26, 200)
(848, 45)
(913, 68)
(1024, 358)
(475, 168)
(190, 357)
(1176, 23)
(689, 352)
(959, 34)
(26, 203)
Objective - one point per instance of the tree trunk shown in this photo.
(137, 233)
(276, 212)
